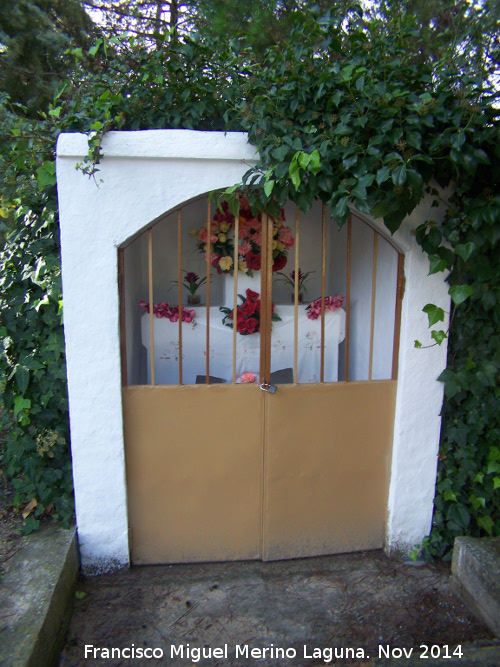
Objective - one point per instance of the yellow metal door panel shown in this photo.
(326, 468)
(194, 472)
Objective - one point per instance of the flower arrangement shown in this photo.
(247, 314)
(221, 242)
(169, 312)
(193, 282)
(290, 279)
(331, 303)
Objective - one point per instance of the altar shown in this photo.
(166, 347)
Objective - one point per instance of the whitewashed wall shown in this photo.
(144, 175)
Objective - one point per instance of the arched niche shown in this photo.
(142, 176)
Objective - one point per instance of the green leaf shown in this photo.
(379, 210)
(459, 293)
(20, 404)
(383, 175)
(439, 336)
(315, 158)
(341, 208)
(415, 180)
(496, 483)
(436, 264)
(487, 523)
(280, 153)
(434, 313)
(360, 83)
(234, 205)
(347, 71)
(293, 171)
(350, 161)
(477, 502)
(493, 467)
(457, 140)
(46, 174)
(481, 156)
(465, 250)
(399, 175)
(414, 139)
(22, 378)
(494, 454)
(268, 187)
(94, 49)
(31, 524)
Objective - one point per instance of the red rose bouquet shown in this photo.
(247, 314)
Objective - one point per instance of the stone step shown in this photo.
(476, 577)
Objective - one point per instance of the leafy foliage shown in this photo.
(351, 110)
(35, 34)
(33, 373)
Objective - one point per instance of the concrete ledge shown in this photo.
(476, 577)
(36, 599)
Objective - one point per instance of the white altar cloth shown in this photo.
(166, 346)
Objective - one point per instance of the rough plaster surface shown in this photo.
(36, 599)
(476, 576)
(144, 174)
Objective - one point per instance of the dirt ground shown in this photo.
(11, 524)
(360, 601)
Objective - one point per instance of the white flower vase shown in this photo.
(244, 282)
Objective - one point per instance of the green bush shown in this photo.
(32, 366)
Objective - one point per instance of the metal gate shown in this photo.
(271, 442)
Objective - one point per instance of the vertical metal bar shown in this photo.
(209, 253)
(348, 299)
(179, 286)
(296, 300)
(151, 306)
(397, 318)
(235, 286)
(323, 270)
(123, 338)
(374, 292)
(266, 299)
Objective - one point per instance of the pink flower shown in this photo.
(285, 236)
(188, 315)
(203, 235)
(244, 248)
(331, 303)
(246, 378)
(164, 310)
